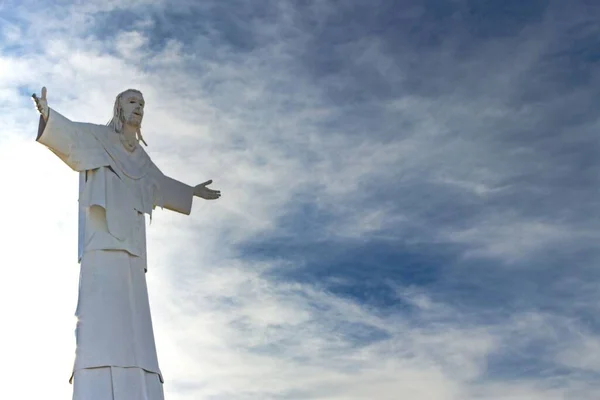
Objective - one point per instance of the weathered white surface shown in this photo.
(116, 355)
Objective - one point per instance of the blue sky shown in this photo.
(410, 193)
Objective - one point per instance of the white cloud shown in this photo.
(510, 239)
(581, 353)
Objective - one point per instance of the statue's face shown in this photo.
(132, 105)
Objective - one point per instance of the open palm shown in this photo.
(41, 103)
(209, 194)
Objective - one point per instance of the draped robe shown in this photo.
(116, 354)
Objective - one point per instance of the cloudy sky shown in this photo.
(410, 194)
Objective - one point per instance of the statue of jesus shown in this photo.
(116, 354)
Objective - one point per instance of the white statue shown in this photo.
(116, 355)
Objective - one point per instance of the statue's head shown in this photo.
(128, 110)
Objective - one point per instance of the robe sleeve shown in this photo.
(174, 195)
(72, 142)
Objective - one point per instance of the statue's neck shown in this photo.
(129, 138)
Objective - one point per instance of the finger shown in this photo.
(44, 91)
(206, 183)
(37, 104)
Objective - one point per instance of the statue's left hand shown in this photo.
(202, 191)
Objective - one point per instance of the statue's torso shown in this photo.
(116, 196)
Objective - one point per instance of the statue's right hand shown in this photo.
(41, 103)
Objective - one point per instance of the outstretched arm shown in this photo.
(177, 196)
(69, 140)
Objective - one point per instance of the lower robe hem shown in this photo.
(116, 383)
(117, 366)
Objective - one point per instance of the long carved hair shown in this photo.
(117, 120)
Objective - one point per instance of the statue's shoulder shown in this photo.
(97, 129)
(94, 135)
(88, 150)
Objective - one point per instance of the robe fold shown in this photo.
(114, 327)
